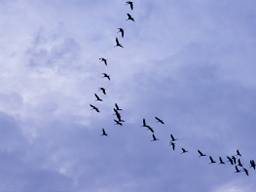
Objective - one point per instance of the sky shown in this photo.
(191, 63)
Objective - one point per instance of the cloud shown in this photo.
(190, 63)
(233, 187)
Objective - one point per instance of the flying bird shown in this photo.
(234, 159)
(105, 75)
(230, 160)
(117, 113)
(246, 171)
(159, 120)
(121, 30)
(104, 60)
(94, 108)
(173, 145)
(120, 119)
(252, 163)
(211, 160)
(237, 170)
(173, 138)
(117, 107)
(130, 3)
(130, 17)
(238, 153)
(144, 123)
(154, 138)
(97, 97)
(150, 128)
(147, 126)
(239, 163)
(184, 150)
(103, 90)
(104, 133)
(118, 44)
(118, 122)
(201, 154)
(221, 161)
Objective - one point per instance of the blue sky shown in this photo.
(192, 63)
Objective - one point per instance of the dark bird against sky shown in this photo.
(211, 160)
(117, 107)
(103, 90)
(252, 164)
(94, 108)
(221, 161)
(173, 145)
(237, 170)
(159, 120)
(105, 75)
(173, 138)
(130, 3)
(184, 150)
(201, 154)
(230, 160)
(118, 122)
(97, 97)
(130, 17)
(104, 133)
(154, 138)
(238, 153)
(104, 60)
(121, 30)
(118, 44)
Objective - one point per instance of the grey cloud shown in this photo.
(191, 63)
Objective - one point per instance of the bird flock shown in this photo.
(235, 160)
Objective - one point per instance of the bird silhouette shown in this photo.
(130, 17)
(150, 128)
(105, 75)
(159, 120)
(234, 159)
(118, 122)
(144, 123)
(117, 113)
(147, 126)
(239, 163)
(121, 30)
(130, 3)
(221, 161)
(94, 108)
(246, 171)
(230, 160)
(118, 44)
(97, 97)
(173, 145)
(154, 138)
(184, 151)
(117, 107)
(237, 170)
(173, 138)
(103, 90)
(201, 154)
(211, 160)
(238, 153)
(120, 119)
(118, 116)
(104, 60)
(252, 163)
(104, 133)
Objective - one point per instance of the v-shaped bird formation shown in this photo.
(235, 160)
